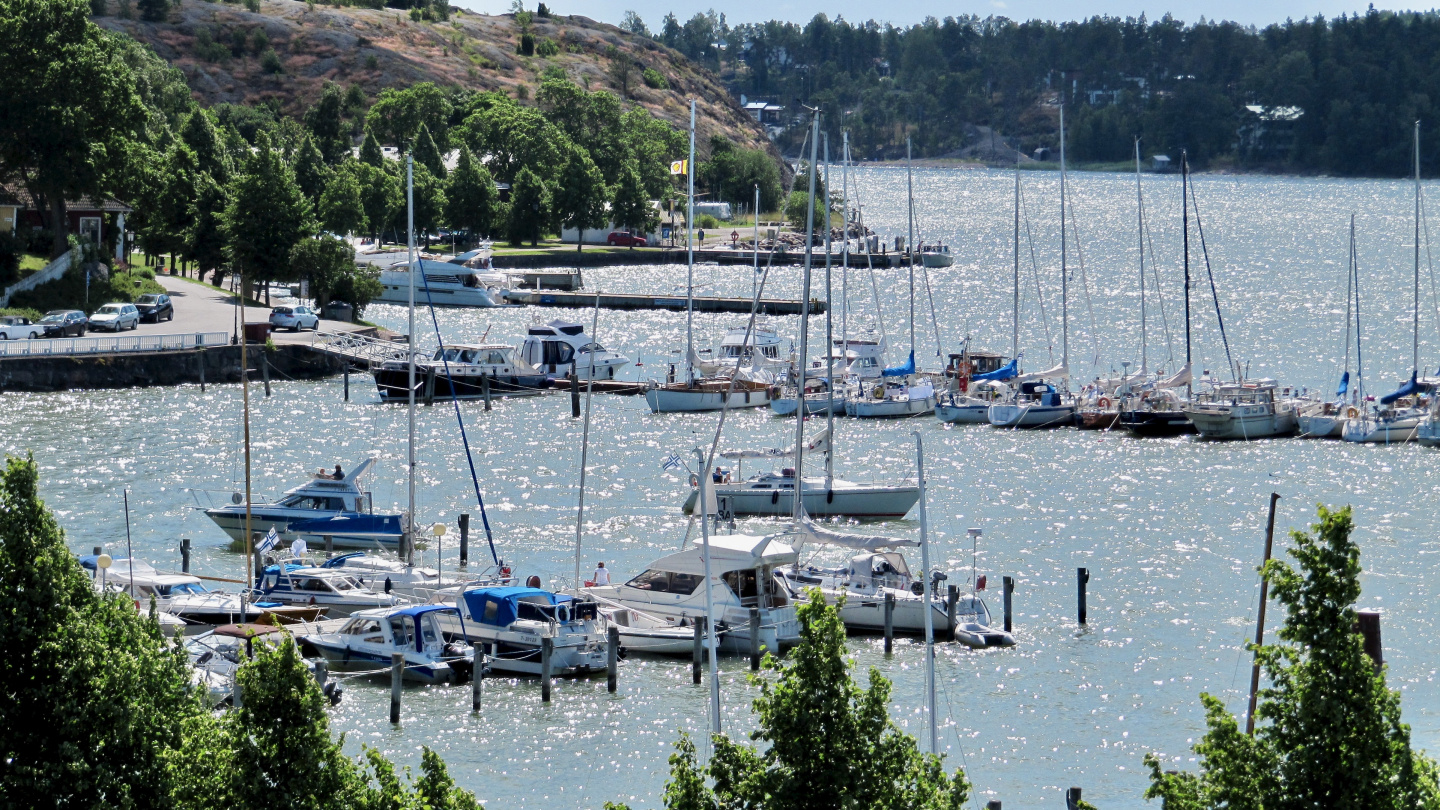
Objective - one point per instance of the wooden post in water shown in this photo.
(265, 371)
(485, 391)
(201, 357)
(574, 395)
(695, 653)
(465, 539)
(1369, 621)
(430, 387)
(1009, 593)
(889, 623)
(329, 546)
(993, 804)
(547, 651)
(1072, 799)
(754, 639)
(347, 382)
(1082, 578)
(477, 674)
(99, 550)
(184, 555)
(952, 599)
(612, 659)
(1260, 619)
(397, 676)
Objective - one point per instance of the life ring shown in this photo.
(879, 392)
(1103, 402)
(1352, 412)
(694, 480)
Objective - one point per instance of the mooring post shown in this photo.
(1260, 620)
(889, 623)
(1082, 576)
(430, 387)
(1369, 621)
(695, 653)
(993, 804)
(485, 391)
(99, 550)
(612, 659)
(322, 672)
(397, 675)
(329, 546)
(574, 395)
(547, 650)
(1072, 799)
(1009, 594)
(952, 599)
(465, 539)
(477, 674)
(347, 382)
(201, 357)
(184, 555)
(265, 371)
(754, 639)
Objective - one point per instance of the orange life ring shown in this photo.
(1103, 402)
(1352, 412)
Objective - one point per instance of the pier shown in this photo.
(768, 306)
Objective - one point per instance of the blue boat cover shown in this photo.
(1344, 385)
(1410, 387)
(1009, 371)
(350, 525)
(901, 371)
(500, 607)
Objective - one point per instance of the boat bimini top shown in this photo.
(502, 607)
(730, 552)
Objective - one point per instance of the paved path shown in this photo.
(199, 308)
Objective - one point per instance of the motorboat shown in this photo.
(762, 351)
(1155, 412)
(818, 398)
(560, 349)
(369, 638)
(444, 285)
(1033, 404)
(180, 595)
(773, 493)
(975, 383)
(391, 575)
(889, 398)
(215, 655)
(936, 256)
(1255, 409)
(742, 578)
(460, 371)
(511, 623)
(342, 594)
(321, 496)
(649, 634)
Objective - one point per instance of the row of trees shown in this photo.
(1362, 80)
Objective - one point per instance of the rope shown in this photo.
(1035, 267)
(1084, 283)
(1204, 251)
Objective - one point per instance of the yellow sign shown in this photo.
(678, 166)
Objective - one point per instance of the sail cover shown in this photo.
(819, 443)
(1009, 371)
(810, 531)
(1061, 370)
(901, 371)
(1344, 385)
(1179, 378)
(1410, 387)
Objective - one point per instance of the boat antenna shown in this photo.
(1185, 240)
(929, 603)
(829, 338)
(797, 507)
(585, 434)
(409, 536)
(690, 257)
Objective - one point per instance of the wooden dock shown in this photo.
(768, 306)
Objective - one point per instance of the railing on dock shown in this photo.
(359, 349)
(113, 344)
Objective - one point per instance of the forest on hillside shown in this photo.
(1357, 85)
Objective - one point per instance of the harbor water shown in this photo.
(1171, 530)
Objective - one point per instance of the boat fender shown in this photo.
(879, 392)
(917, 588)
(312, 600)
(1103, 402)
(829, 496)
(1352, 412)
(774, 497)
(332, 691)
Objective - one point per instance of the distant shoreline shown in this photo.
(1122, 167)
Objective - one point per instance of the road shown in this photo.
(199, 308)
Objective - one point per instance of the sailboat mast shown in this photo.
(1355, 276)
(797, 494)
(929, 603)
(829, 330)
(1064, 271)
(245, 398)
(1415, 340)
(1015, 295)
(690, 256)
(1140, 234)
(1185, 240)
(585, 433)
(410, 252)
(704, 482)
(845, 252)
(755, 277)
(910, 245)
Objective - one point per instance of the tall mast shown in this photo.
(585, 434)
(755, 277)
(689, 256)
(829, 331)
(1140, 234)
(929, 597)
(798, 492)
(1064, 272)
(704, 482)
(910, 207)
(1415, 340)
(245, 398)
(410, 252)
(845, 253)
(1185, 239)
(1015, 295)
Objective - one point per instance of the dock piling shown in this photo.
(1072, 799)
(329, 546)
(200, 356)
(547, 652)
(574, 395)
(265, 372)
(477, 674)
(322, 672)
(1082, 577)
(485, 391)
(1009, 593)
(184, 555)
(465, 539)
(612, 659)
(695, 653)
(754, 639)
(99, 550)
(397, 676)
(993, 804)
(952, 600)
(889, 623)
(347, 382)
(1369, 621)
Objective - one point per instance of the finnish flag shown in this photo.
(672, 462)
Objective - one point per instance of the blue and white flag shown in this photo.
(672, 462)
(268, 541)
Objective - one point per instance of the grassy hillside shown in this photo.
(383, 48)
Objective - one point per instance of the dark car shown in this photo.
(155, 307)
(625, 239)
(64, 323)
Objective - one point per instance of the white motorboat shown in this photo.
(461, 371)
(180, 595)
(367, 640)
(1244, 410)
(510, 623)
(742, 578)
(444, 285)
(215, 655)
(773, 493)
(560, 348)
(391, 575)
(936, 256)
(647, 633)
(320, 587)
(894, 397)
(761, 352)
(1034, 404)
(975, 384)
(322, 496)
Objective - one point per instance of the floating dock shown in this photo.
(768, 306)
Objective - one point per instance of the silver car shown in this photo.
(115, 317)
(294, 318)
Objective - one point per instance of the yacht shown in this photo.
(342, 594)
(511, 622)
(321, 496)
(215, 655)
(891, 397)
(180, 595)
(1396, 417)
(973, 379)
(560, 348)
(1324, 420)
(1244, 410)
(457, 371)
(773, 493)
(742, 569)
(761, 353)
(936, 256)
(369, 638)
(444, 285)
(708, 394)
(1034, 404)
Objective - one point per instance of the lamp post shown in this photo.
(103, 562)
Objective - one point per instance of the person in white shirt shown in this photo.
(297, 548)
(601, 575)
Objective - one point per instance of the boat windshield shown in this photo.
(666, 582)
(591, 347)
(182, 588)
(450, 355)
(360, 627)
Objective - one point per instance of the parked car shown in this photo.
(64, 323)
(625, 239)
(116, 317)
(18, 327)
(294, 318)
(155, 307)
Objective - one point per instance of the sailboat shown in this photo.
(748, 388)
(1398, 414)
(1326, 420)
(900, 392)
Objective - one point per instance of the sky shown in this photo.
(906, 12)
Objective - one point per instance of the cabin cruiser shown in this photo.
(742, 569)
(368, 639)
(216, 655)
(322, 496)
(444, 285)
(410, 581)
(1244, 410)
(1155, 412)
(761, 351)
(180, 595)
(974, 385)
(560, 349)
(936, 256)
(642, 632)
(773, 493)
(1033, 404)
(457, 371)
(293, 584)
(512, 621)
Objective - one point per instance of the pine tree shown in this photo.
(310, 170)
(153, 10)
(427, 153)
(429, 203)
(471, 201)
(530, 208)
(380, 194)
(205, 240)
(266, 216)
(581, 195)
(342, 209)
(370, 151)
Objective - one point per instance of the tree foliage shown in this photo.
(342, 204)
(267, 215)
(471, 201)
(630, 206)
(530, 208)
(397, 115)
(581, 195)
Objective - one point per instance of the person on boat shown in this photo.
(339, 474)
(601, 575)
(718, 476)
(297, 548)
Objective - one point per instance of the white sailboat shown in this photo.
(1326, 420)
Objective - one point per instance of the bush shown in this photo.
(655, 80)
(527, 44)
(415, 15)
(11, 248)
(371, 63)
(542, 11)
(547, 48)
(259, 41)
(253, 6)
(68, 291)
(206, 48)
(707, 222)
(270, 62)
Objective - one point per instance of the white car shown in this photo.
(115, 317)
(294, 318)
(17, 327)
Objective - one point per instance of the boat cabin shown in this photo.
(766, 340)
(410, 628)
(745, 564)
(299, 581)
(1040, 392)
(504, 606)
(980, 363)
(323, 493)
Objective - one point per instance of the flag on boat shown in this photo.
(268, 541)
(678, 166)
(672, 462)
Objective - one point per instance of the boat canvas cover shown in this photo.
(1411, 386)
(730, 552)
(1344, 385)
(1179, 378)
(379, 526)
(1009, 371)
(506, 602)
(1061, 370)
(810, 531)
(820, 443)
(902, 370)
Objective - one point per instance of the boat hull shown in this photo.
(786, 406)
(889, 408)
(441, 295)
(1096, 420)
(1156, 424)
(1428, 434)
(1328, 426)
(857, 501)
(1245, 423)
(394, 385)
(418, 669)
(1031, 416)
(263, 518)
(1381, 431)
(691, 400)
(976, 414)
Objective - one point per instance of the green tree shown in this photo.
(358, 287)
(205, 241)
(326, 122)
(397, 115)
(429, 203)
(323, 262)
(172, 213)
(342, 205)
(732, 173)
(630, 206)
(471, 201)
(370, 151)
(153, 10)
(380, 194)
(581, 195)
(797, 209)
(515, 138)
(310, 170)
(267, 214)
(1329, 732)
(212, 156)
(71, 113)
(530, 208)
(427, 154)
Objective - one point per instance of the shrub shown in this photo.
(527, 44)
(542, 11)
(270, 62)
(707, 222)
(655, 79)
(371, 63)
(547, 48)
(252, 6)
(207, 48)
(415, 15)
(259, 41)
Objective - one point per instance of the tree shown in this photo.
(380, 194)
(631, 22)
(732, 173)
(397, 115)
(172, 212)
(581, 195)
(427, 154)
(211, 154)
(471, 201)
(58, 65)
(310, 171)
(323, 262)
(370, 151)
(630, 206)
(153, 10)
(429, 196)
(358, 287)
(516, 137)
(342, 206)
(1329, 731)
(266, 216)
(530, 208)
(326, 122)
(205, 241)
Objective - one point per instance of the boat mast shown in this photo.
(845, 254)
(929, 607)
(410, 252)
(1185, 240)
(689, 257)
(1355, 275)
(585, 434)
(1015, 295)
(1415, 341)
(250, 581)
(910, 206)
(829, 331)
(1140, 234)
(797, 493)
(704, 481)
(1064, 272)
(755, 277)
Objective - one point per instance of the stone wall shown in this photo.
(144, 369)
